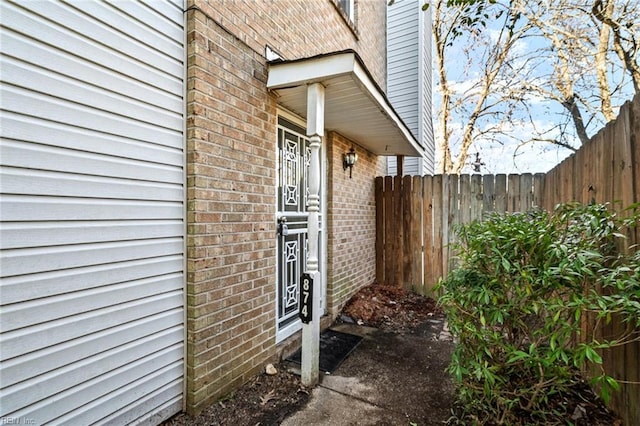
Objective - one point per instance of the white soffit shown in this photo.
(354, 105)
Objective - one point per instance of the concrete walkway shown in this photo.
(389, 379)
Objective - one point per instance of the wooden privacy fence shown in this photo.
(415, 217)
(418, 214)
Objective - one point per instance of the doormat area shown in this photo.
(334, 348)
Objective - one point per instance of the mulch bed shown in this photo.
(389, 308)
(264, 400)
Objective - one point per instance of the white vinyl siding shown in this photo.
(426, 93)
(92, 209)
(403, 53)
(409, 78)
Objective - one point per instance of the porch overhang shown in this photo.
(355, 106)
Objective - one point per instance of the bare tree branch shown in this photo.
(545, 71)
(604, 13)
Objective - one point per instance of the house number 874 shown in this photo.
(306, 292)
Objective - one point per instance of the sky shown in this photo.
(502, 154)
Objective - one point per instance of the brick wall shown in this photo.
(351, 223)
(231, 137)
(305, 28)
(230, 211)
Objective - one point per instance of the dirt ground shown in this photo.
(264, 400)
(269, 399)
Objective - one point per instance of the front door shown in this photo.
(292, 217)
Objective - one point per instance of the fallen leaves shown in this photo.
(389, 307)
(268, 397)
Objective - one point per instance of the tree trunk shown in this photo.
(604, 14)
(601, 66)
(572, 106)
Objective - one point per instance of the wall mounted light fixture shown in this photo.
(349, 160)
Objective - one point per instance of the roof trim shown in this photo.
(355, 106)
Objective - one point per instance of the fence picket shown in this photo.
(513, 193)
(452, 218)
(500, 197)
(557, 185)
(379, 197)
(547, 190)
(476, 198)
(438, 226)
(464, 215)
(488, 193)
(417, 246)
(567, 179)
(614, 358)
(623, 164)
(396, 277)
(428, 234)
(631, 406)
(634, 139)
(578, 184)
(588, 194)
(526, 192)
(389, 224)
(406, 277)
(599, 174)
(538, 190)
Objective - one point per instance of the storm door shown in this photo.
(292, 223)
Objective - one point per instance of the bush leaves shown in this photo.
(517, 302)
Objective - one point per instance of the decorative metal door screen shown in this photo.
(293, 191)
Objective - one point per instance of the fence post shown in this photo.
(380, 229)
(389, 226)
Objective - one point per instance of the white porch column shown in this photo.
(311, 331)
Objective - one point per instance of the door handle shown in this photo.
(283, 230)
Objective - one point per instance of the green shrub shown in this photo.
(516, 303)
